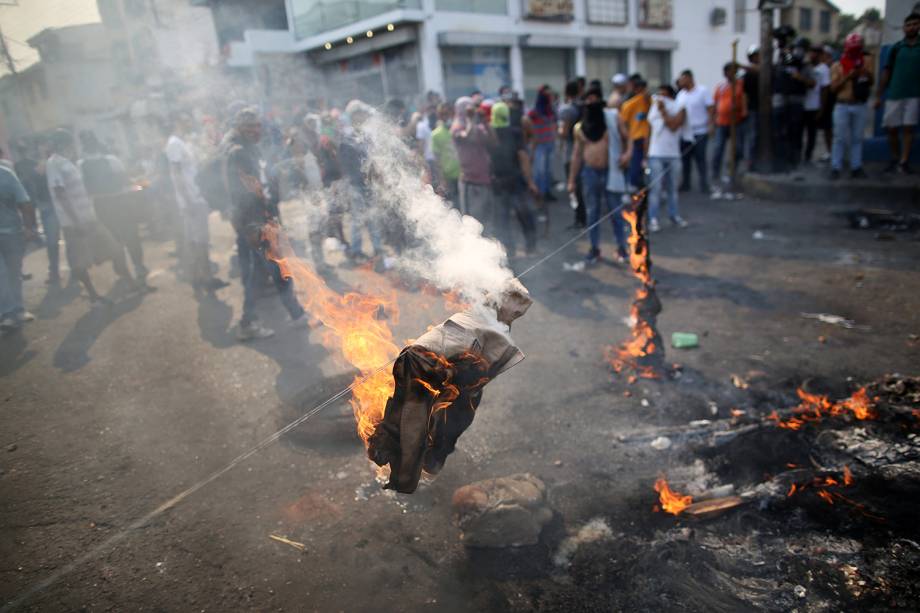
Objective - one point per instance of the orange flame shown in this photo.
(351, 325)
(671, 501)
(815, 407)
(847, 476)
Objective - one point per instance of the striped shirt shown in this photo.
(543, 127)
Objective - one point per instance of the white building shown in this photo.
(377, 49)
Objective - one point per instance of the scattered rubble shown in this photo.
(503, 512)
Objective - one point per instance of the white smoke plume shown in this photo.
(445, 248)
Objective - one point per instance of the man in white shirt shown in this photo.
(193, 208)
(814, 99)
(86, 241)
(697, 102)
(666, 118)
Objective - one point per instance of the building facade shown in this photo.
(378, 49)
(817, 20)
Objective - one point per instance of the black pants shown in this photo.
(811, 133)
(581, 214)
(691, 154)
(788, 125)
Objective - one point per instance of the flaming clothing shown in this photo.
(439, 381)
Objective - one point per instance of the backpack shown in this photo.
(212, 182)
(99, 177)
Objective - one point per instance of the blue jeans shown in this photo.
(543, 166)
(52, 230)
(666, 170)
(849, 126)
(361, 216)
(723, 136)
(694, 152)
(598, 202)
(12, 250)
(749, 140)
(253, 265)
(635, 174)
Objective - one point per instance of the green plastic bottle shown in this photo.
(684, 340)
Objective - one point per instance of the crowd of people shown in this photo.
(495, 159)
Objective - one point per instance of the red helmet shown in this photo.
(853, 40)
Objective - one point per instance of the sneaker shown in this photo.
(858, 173)
(824, 159)
(253, 331)
(593, 256)
(653, 225)
(904, 169)
(835, 174)
(24, 317)
(679, 221)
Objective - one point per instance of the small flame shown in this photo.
(826, 496)
(671, 501)
(847, 476)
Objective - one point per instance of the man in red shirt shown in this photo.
(722, 110)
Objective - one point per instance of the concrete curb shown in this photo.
(873, 191)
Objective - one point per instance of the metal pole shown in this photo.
(765, 108)
(733, 128)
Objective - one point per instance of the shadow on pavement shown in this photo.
(73, 352)
(13, 352)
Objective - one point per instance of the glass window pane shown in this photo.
(494, 7)
(315, 16)
(615, 12)
(655, 13)
(551, 67)
(654, 66)
(602, 64)
(467, 69)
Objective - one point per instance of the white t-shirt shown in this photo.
(616, 180)
(822, 74)
(423, 133)
(61, 173)
(665, 142)
(178, 152)
(696, 102)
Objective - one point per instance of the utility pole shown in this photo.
(7, 57)
(765, 90)
(733, 128)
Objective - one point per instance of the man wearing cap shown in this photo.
(620, 92)
(251, 209)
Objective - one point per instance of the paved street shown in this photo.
(108, 413)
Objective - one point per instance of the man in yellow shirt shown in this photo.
(634, 115)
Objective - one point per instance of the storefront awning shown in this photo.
(475, 39)
(401, 36)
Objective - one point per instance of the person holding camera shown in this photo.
(851, 81)
(792, 79)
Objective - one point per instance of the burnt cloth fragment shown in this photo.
(438, 386)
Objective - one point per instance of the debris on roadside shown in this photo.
(685, 340)
(835, 320)
(287, 541)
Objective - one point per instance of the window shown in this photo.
(655, 13)
(551, 10)
(805, 20)
(824, 22)
(602, 64)
(474, 68)
(654, 66)
(612, 12)
(493, 7)
(740, 15)
(314, 16)
(546, 66)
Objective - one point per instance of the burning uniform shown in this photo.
(438, 386)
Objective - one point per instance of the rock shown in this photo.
(12, 447)
(503, 512)
(661, 443)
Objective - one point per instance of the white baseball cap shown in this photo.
(619, 79)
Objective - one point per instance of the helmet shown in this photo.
(854, 40)
(753, 49)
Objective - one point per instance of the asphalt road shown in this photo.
(108, 413)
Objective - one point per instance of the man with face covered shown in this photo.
(251, 208)
(793, 77)
(590, 158)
